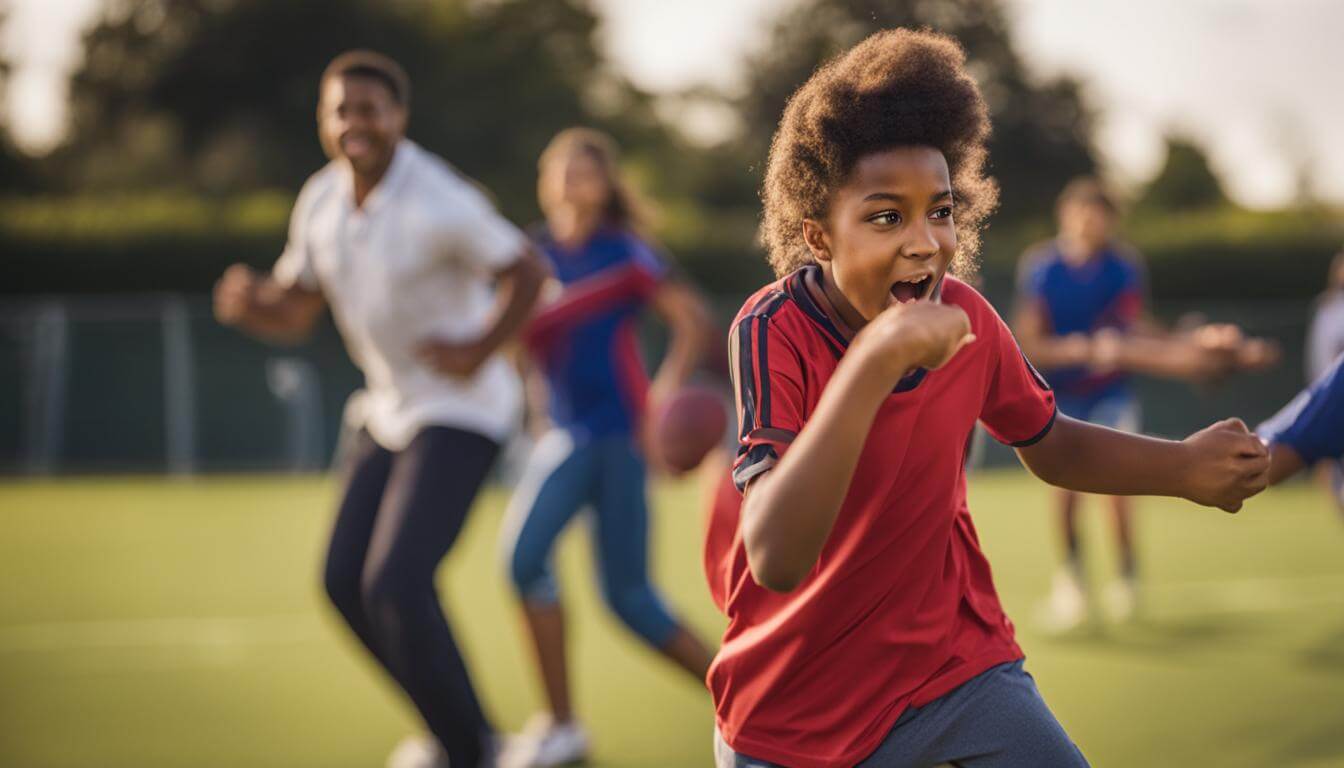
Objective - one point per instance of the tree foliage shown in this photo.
(220, 95)
(1186, 180)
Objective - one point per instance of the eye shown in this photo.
(885, 218)
(942, 213)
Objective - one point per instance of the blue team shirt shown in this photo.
(586, 340)
(1105, 292)
(1313, 423)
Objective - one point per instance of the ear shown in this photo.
(814, 234)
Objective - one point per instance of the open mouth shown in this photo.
(356, 146)
(911, 288)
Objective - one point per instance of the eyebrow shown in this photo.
(901, 198)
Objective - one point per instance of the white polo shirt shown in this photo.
(416, 262)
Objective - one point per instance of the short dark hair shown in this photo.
(373, 65)
(899, 87)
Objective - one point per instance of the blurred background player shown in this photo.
(1325, 339)
(1325, 343)
(1082, 317)
(596, 450)
(404, 251)
(1310, 430)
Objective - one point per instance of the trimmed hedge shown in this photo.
(166, 242)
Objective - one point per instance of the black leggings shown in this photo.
(400, 515)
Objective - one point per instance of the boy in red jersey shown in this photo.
(863, 623)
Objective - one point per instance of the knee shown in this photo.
(390, 594)
(641, 611)
(527, 571)
(342, 586)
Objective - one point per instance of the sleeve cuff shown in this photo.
(1036, 438)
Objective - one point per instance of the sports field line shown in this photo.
(1170, 600)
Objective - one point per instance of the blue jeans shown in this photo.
(996, 719)
(563, 476)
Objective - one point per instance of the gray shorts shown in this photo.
(996, 719)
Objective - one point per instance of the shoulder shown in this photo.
(1037, 260)
(764, 304)
(321, 186)
(1128, 258)
(433, 175)
(971, 301)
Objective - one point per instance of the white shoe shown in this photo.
(1067, 607)
(1122, 599)
(418, 752)
(425, 752)
(546, 744)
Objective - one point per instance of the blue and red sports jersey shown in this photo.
(1106, 292)
(1313, 423)
(586, 340)
(900, 607)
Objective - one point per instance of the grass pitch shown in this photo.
(148, 623)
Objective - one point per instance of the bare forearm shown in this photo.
(280, 315)
(1085, 457)
(690, 336)
(1055, 351)
(788, 514)
(518, 289)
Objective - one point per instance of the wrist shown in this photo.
(1183, 467)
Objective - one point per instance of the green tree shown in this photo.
(1041, 130)
(1186, 180)
(220, 95)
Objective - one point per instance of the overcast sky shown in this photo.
(1258, 81)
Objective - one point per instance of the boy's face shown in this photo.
(1087, 223)
(359, 120)
(888, 236)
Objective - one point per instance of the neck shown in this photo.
(570, 225)
(851, 316)
(1075, 250)
(366, 181)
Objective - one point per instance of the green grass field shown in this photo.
(151, 622)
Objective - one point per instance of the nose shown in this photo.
(921, 245)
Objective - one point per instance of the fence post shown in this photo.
(179, 387)
(44, 416)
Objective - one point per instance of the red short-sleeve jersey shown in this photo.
(900, 607)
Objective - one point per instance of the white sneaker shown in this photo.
(545, 743)
(1122, 599)
(418, 752)
(425, 752)
(1067, 607)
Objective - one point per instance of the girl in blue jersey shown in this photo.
(584, 345)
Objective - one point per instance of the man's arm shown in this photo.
(1219, 466)
(261, 306)
(518, 286)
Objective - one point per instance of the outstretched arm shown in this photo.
(518, 286)
(1219, 466)
(259, 305)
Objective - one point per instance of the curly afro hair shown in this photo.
(899, 87)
